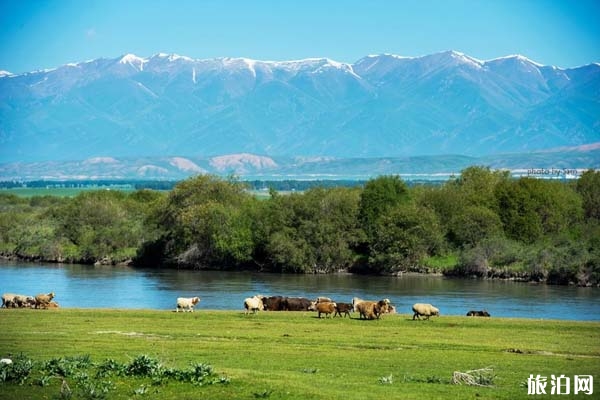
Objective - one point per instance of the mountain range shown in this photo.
(173, 107)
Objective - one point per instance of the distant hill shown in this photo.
(558, 163)
(125, 115)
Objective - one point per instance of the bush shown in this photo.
(18, 371)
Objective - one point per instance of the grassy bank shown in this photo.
(297, 356)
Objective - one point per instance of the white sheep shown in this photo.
(426, 310)
(187, 303)
(253, 304)
(8, 300)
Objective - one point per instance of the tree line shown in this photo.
(482, 223)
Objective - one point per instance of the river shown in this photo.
(83, 286)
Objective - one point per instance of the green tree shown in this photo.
(531, 208)
(473, 224)
(588, 186)
(403, 237)
(316, 230)
(100, 225)
(377, 198)
(203, 223)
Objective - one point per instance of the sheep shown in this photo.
(355, 302)
(186, 303)
(24, 301)
(254, 304)
(8, 300)
(53, 304)
(426, 310)
(321, 299)
(42, 300)
(323, 307)
(384, 305)
(345, 308)
(369, 309)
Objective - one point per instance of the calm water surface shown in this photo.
(123, 287)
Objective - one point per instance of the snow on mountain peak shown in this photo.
(466, 59)
(133, 60)
(172, 57)
(516, 57)
(5, 73)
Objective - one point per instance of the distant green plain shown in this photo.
(59, 191)
(287, 355)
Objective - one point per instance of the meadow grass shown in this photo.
(287, 355)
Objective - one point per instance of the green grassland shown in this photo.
(61, 191)
(286, 355)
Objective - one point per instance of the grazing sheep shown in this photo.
(23, 301)
(355, 302)
(481, 313)
(254, 304)
(323, 299)
(8, 300)
(323, 307)
(42, 300)
(53, 304)
(384, 305)
(186, 303)
(369, 309)
(345, 308)
(426, 310)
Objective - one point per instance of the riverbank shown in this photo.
(298, 356)
(453, 271)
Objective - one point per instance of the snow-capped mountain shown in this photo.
(382, 105)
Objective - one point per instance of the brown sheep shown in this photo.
(323, 307)
(345, 308)
(369, 309)
(42, 300)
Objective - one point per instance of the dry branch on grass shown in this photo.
(476, 377)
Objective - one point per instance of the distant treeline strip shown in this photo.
(279, 185)
(482, 223)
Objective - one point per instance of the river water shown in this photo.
(84, 286)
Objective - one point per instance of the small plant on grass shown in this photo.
(265, 394)
(43, 380)
(144, 365)
(18, 371)
(67, 366)
(386, 380)
(142, 390)
(110, 367)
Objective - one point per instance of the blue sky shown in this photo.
(37, 34)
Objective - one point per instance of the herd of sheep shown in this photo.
(10, 300)
(325, 306)
(366, 309)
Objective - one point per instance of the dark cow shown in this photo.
(296, 304)
(345, 308)
(481, 313)
(274, 303)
